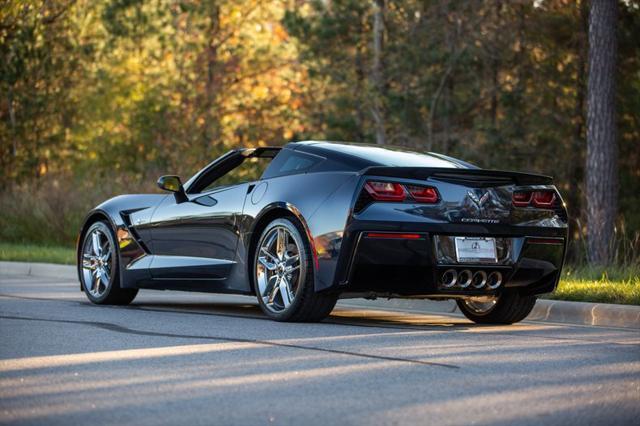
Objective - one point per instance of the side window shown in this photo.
(289, 162)
(249, 170)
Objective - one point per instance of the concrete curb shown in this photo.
(49, 270)
(581, 313)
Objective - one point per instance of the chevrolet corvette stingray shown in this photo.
(306, 224)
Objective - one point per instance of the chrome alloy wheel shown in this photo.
(481, 305)
(97, 263)
(278, 268)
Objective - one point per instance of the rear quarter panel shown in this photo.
(321, 201)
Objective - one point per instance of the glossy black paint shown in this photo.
(203, 241)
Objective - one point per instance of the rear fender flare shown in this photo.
(268, 213)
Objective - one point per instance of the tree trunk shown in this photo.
(495, 66)
(602, 150)
(360, 86)
(377, 72)
(576, 173)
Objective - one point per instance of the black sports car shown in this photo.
(306, 224)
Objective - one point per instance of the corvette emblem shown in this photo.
(478, 201)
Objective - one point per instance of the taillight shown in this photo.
(385, 191)
(521, 199)
(423, 194)
(539, 199)
(544, 199)
(391, 191)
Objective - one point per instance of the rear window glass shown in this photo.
(289, 162)
(296, 163)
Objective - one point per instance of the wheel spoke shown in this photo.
(292, 269)
(95, 243)
(285, 292)
(104, 278)
(281, 243)
(272, 289)
(88, 262)
(266, 252)
(269, 265)
(95, 283)
(271, 256)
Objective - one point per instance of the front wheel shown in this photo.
(506, 308)
(98, 265)
(283, 275)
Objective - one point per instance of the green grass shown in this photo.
(599, 284)
(37, 253)
(584, 284)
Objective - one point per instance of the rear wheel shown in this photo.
(506, 308)
(283, 274)
(99, 265)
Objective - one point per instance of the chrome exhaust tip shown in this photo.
(479, 279)
(464, 278)
(494, 280)
(449, 278)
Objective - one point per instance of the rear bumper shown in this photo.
(413, 265)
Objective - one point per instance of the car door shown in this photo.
(197, 239)
(194, 240)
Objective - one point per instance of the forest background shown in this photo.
(101, 97)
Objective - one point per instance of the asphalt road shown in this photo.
(179, 358)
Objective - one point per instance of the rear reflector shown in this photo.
(557, 241)
(385, 191)
(393, 235)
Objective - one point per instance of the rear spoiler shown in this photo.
(471, 177)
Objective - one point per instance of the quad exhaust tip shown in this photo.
(465, 278)
(479, 279)
(449, 278)
(494, 280)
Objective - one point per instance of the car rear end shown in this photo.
(452, 232)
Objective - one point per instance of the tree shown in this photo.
(377, 109)
(602, 150)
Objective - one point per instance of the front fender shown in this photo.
(116, 211)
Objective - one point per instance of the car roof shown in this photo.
(376, 155)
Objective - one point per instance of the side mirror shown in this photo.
(173, 184)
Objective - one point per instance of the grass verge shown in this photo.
(599, 284)
(37, 253)
(582, 284)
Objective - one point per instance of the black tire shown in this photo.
(307, 305)
(509, 308)
(113, 293)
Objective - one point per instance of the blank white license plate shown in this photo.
(472, 249)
